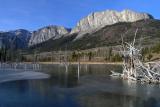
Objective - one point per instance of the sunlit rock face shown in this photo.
(47, 33)
(108, 17)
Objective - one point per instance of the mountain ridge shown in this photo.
(108, 17)
(87, 26)
(46, 33)
(109, 35)
(17, 39)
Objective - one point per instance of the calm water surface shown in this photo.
(92, 88)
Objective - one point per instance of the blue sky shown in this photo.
(34, 14)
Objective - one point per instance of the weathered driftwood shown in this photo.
(133, 68)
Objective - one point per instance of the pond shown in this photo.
(92, 87)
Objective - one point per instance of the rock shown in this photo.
(108, 17)
(47, 33)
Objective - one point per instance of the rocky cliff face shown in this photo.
(15, 39)
(109, 17)
(47, 33)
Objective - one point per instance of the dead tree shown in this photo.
(133, 68)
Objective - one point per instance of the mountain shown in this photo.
(17, 39)
(91, 23)
(96, 30)
(47, 33)
(108, 17)
(109, 35)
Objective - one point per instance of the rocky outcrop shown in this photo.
(109, 17)
(47, 33)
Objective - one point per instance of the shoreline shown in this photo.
(90, 63)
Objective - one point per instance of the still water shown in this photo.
(92, 87)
